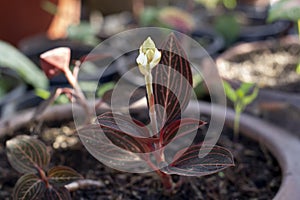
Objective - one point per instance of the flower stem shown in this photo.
(74, 83)
(150, 96)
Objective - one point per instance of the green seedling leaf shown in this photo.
(29, 187)
(12, 58)
(245, 88)
(199, 160)
(62, 175)
(57, 193)
(284, 9)
(27, 154)
(250, 98)
(172, 80)
(298, 69)
(229, 91)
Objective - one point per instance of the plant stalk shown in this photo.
(150, 96)
(236, 126)
(74, 83)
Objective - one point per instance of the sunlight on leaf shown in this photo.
(26, 154)
(62, 175)
(189, 162)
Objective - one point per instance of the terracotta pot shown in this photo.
(19, 19)
(282, 96)
(284, 146)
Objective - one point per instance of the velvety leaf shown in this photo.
(12, 58)
(57, 193)
(55, 61)
(229, 91)
(26, 154)
(172, 81)
(178, 129)
(62, 175)
(102, 148)
(29, 187)
(200, 160)
(125, 133)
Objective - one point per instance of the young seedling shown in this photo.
(286, 9)
(166, 146)
(31, 157)
(240, 99)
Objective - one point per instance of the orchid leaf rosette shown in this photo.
(166, 145)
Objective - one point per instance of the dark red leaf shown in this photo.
(26, 154)
(62, 175)
(29, 187)
(178, 129)
(57, 193)
(102, 148)
(200, 160)
(126, 133)
(172, 81)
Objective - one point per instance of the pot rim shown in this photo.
(283, 145)
(246, 47)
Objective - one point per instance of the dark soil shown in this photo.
(256, 174)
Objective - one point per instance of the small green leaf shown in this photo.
(245, 87)
(12, 58)
(26, 154)
(29, 187)
(61, 175)
(298, 69)
(248, 99)
(229, 91)
(57, 193)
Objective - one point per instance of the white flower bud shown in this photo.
(149, 56)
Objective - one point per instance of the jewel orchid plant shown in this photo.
(166, 146)
(30, 157)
